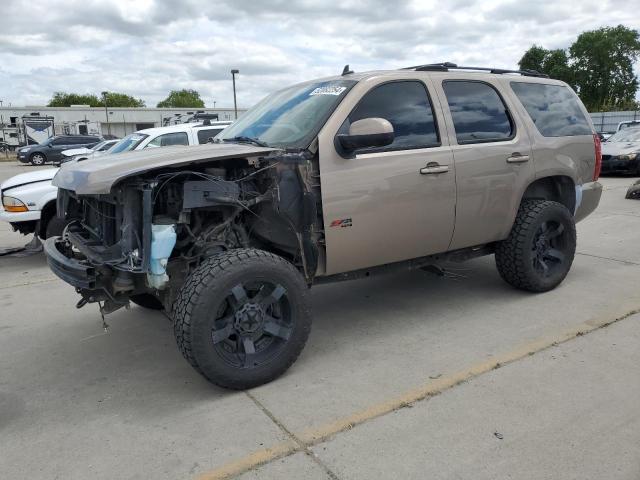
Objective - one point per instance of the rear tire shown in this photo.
(146, 300)
(242, 318)
(38, 158)
(539, 251)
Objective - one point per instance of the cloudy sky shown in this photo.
(148, 47)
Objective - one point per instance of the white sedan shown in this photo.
(29, 199)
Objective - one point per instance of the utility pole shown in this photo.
(235, 105)
(106, 113)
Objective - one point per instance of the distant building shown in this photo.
(38, 123)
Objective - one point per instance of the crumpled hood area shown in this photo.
(98, 175)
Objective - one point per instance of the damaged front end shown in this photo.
(153, 228)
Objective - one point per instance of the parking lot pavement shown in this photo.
(76, 402)
(568, 412)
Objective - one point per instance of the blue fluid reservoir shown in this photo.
(163, 239)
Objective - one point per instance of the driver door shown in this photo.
(388, 204)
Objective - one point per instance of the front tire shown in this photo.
(55, 227)
(38, 158)
(242, 318)
(540, 248)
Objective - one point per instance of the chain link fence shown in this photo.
(607, 122)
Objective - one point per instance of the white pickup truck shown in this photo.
(29, 199)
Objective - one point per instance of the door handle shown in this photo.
(434, 168)
(517, 158)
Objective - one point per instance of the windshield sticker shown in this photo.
(328, 90)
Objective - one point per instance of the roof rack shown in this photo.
(446, 66)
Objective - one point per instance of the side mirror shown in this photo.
(367, 133)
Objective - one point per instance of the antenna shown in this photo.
(346, 71)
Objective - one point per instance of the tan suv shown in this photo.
(331, 179)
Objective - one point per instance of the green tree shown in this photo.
(115, 99)
(602, 61)
(533, 58)
(63, 99)
(554, 63)
(182, 99)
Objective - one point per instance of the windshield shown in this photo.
(98, 146)
(128, 143)
(290, 118)
(626, 135)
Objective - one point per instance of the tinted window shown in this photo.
(206, 134)
(478, 113)
(175, 138)
(60, 141)
(407, 107)
(553, 108)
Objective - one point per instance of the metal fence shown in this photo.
(607, 122)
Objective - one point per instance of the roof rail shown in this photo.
(446, 66)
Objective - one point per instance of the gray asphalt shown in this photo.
(77, 403)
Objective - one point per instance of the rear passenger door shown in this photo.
(493, 159)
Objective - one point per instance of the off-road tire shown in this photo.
(35, 156)
(146, 300)
(207, 288)
(515, 255)
(54, 227)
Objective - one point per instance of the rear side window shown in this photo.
(553, 108)
(205, 134)
(407, 107)
(175, 138)
(478, 112)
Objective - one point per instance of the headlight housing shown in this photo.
(628, 156)
(24, 150)
(12, 204)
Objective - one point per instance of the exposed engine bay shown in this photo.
(155, 227)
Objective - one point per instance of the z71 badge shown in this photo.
(345, 222)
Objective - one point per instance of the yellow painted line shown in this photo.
(259, 457)
(322, 433)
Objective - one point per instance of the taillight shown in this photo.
(598, 146)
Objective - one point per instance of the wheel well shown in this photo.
(559, 189)
(48, 212)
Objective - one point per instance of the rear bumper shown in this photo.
(591, 193)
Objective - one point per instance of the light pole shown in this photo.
(235, 105)
(106, 114)
(214, 104)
